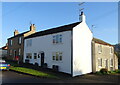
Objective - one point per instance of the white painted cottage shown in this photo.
(67, 48)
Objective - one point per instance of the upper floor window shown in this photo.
(99, 48)
(111, 50)
(57, 39)
(11, 42)
(29, 43)
(20, 40)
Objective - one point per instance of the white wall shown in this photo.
(82, 60)
(45, 43)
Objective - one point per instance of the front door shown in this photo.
(42, 58)
(15, 54)
(106, 63)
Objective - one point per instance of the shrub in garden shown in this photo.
(117, 71)
(104, 71)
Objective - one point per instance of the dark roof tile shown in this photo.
(53, 30)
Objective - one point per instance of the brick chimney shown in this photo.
(32, 27)
(16, 32)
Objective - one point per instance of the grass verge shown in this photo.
(32, 72)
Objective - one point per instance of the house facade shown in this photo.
(16, 44)
(63, 48)
(103, 56)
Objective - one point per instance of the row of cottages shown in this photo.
(16, 44)
(70, 49)
(66, 47)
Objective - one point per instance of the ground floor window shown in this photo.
(57, 56)
(35, 55)
(100, 62)
(10, 52)
(111, 62)
(29, 55)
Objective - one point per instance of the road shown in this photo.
(10, 77)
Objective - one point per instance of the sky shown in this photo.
(46, 15)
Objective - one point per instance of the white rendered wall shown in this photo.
(45, 43)
(82, 60)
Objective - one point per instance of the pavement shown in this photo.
(10, 78)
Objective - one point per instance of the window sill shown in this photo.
(100, 66)
(57, 43)
(57, 61)
(111, 66)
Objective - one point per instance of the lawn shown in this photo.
(15, 67)
(32, 72)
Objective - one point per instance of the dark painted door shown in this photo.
(42, 59)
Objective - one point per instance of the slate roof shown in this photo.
(101, 42)
(54, 30)
(18, 34)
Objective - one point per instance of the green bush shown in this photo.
(117, 71)
(104, 71)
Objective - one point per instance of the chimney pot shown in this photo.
(32, 27)
(16, 32)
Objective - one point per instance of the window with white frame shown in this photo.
(57, 39)
(111, 62)
(20, 40)
(100, 62)
(35, 55)
(57, 56)
(111, 50)
(11, 42)
(60, 38)
(29, 55)
(19, 51)
(29, 43)
(99, 48)
(53, 55)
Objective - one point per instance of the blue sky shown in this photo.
(46, 15)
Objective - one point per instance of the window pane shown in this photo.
(99, 62)
(56, 56)
(111, 63)
(53, 57)
(60, 56)
(35, 55)
(60, 39)
(57, 38)
(53, 39)
(19, 51)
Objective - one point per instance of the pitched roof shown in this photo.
(4, 47)
(101, 42)
(54, 30)
(18, 34)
